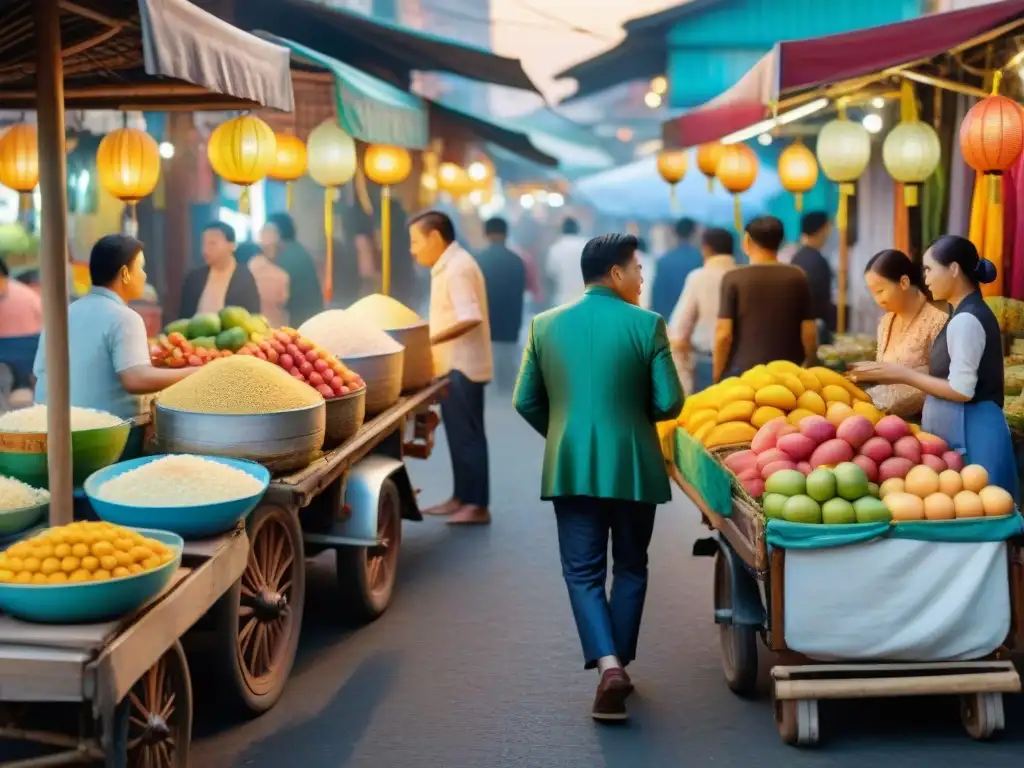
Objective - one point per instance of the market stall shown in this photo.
(804, 483)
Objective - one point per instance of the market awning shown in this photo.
(845, 62)
(443, 119)
(375, 46)
(137, 54)
(368, 108)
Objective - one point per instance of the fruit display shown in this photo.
(846, 349)
(198, 340)
(839, 496)
(1013, 410)
(732, 411)
(1013, 380)
(925, 494)
(307, 362)
(1009, 313)
(81, 552)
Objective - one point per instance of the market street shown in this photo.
(476, 664)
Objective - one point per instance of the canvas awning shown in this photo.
(796, 71)
(145, 54)
(368, 108)
(445, 119)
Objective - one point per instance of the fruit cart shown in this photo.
(750, 601)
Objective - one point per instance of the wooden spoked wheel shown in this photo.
(154, 722)
(260, 618)
(366, 575)
(738, 643)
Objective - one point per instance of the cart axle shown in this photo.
(267, 605)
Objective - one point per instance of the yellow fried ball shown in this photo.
(58, 578)
(15, 564)
(40, 578)
(80, 575)
(140, 554)
(124, 544)
(135, 568)
(80, 550)
(6, 576)
(108, 562)
(91, 563)
(23, 577)
(101, 548)
(70, 564)
(50, 565)
(101, 575)
(118, 573)
(62, 550)
(32, 564)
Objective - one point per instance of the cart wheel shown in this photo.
(738, 643)
(982, 714)
(153, 725)
(259, 619)
(366, 575)
(797, 721)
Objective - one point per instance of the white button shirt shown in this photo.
(458, 294)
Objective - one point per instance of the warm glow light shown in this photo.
(290, 158)
(454, 180)
(332, 155)
(477, 171)
(652, 100)
(19, 157)
(765, 139)
(659, 85)
(128, 164)
(878, 102)
(385, 164)
(872, 123)
(242, 150)
(624, 135)
(166, 150)
(527, 201)
(556, 200)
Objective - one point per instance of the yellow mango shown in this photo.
(700, 418)
(792, 383)
(735, 394)
(764, 414)
(783, 366)
(858, 393)
(836, 394)
(838, 413)
(809, 380)
(740, 410)
(758, 379)
(730, 434)
(829, 377)
(728, 382)
(813, 402)
(915, 429)
(867, 409)
(703, 431)
(776, 395)
(798, 415)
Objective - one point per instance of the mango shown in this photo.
(777, 396)
(783, 366)
(836, 394)
(701, 433)
(813, 402)
(764, 414)
(792, 383)
(735, 393)
(700, 418)
(740, 410)
(829, 377)
(758, 379)
(798, 415)
(732, 433)
(809, 380)
(868, 410)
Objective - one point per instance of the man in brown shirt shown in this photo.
(766, 311)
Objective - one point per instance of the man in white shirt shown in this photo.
(563, 264)
(691, 327)
(460, 333)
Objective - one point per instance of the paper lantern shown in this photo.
(19, 158)
(798, 171)
(672, 166)
(737, 171)
(289, 163)
(454, 180)
(992, 136)
(128, 164)
(243, 150)
(332, 155)
(844, 151)
(385, 164)
(911, 153)
(708, 156)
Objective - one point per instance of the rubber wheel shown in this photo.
(366, 575)
(797, 721)
(153, 725)
(258, 621)
(738, 643)
(982, 714)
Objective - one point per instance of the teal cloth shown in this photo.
(786, 535)
(701, 470)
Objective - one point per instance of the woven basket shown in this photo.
(418, 364)
(721, 453)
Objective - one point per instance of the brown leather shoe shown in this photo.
(612, 692)
(449, 507)
(470, 514)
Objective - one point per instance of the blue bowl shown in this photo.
(93, 601)
(189, 522)
(14, 521)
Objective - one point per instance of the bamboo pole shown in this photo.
(53, 255)
(385, 239)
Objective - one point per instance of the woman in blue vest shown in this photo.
(964, 382)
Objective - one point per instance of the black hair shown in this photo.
(245, 251)
(225, 229)
(685, 228)
(641, 245)
(4, 271)
(719, 241)
(894, 265)
(767, 232)
(570, 226)
(602, 253)
(109, 256)
(953, 249)
(496, 226)
(435, 221)
(813, 222)
(284, 224)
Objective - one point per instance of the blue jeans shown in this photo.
(606, 626)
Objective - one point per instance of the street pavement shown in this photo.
(476, 664)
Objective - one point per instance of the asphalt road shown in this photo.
(476, 664)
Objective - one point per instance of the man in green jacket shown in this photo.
(597, 375)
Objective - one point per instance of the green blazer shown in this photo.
(597, 376)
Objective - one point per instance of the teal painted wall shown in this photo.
(824, 196)
(710, 50)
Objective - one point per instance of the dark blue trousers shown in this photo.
(462, 413)
(607, 625)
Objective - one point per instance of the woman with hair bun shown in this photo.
(964, 382)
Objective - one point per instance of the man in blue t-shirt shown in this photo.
(674, 267)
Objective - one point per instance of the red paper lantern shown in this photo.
(992, 134)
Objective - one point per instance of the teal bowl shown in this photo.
(15, 521)
(91, 602)
(23, 454)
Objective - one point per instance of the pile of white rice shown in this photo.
(343, 335)
(15, 494)
(33, 420)
(179, 481)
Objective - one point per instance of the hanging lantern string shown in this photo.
(289, 196)
(908, 114)
(737, 213)
(329, 232)
(673, 198)
(243, 201)
(385, 239)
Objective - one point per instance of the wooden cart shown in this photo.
(749, 603)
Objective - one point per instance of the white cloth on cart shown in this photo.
(897, 600)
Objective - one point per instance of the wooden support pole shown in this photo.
(53, 255)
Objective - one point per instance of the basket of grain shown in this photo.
(242, 407)
(365, 349)
(407, 328)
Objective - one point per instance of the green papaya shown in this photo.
(178, 326)
(233, 339)
(234, 317)
(203, 325)
(205, 342)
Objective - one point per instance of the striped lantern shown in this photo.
(992, 136)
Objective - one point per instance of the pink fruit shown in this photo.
(908, 448)
(326, 391)
(767, 435)
(818, 428)
(892, 428)
(932, 444)
(796, 446)
(740, 461)
(771, 455)
(316, 380)
(935, 462)
(312, 355)
(831, 452)
(295, 372)
(286, 361)
(327, 373)
(749, 473)
(894, 467)
(869, 467)
(776, 466)
(306, 368)
(294, 351)
(337, 385)
(304, 344)
(953, 460)
(878, 449)
(856, 430)
(754, 487)
(320, 365)
(804, 468)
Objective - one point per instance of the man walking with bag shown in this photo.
(597, 375)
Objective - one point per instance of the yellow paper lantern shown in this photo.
(481, 173)
(737, 172)
(128, 164)
(708, 156)
(332, 163)
(798, 171)
(19, 158)
(672, 166)
(911, 153)
(454, 180)
(289, 163)
(385, 164)
(243, 150)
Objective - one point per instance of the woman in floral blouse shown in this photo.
(906, 333)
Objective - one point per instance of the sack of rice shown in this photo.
(33, 420)
(242, 385)
(385, 313)
(345, 335)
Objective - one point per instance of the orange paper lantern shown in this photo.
(19, 158)
(992, 135)
(673, 164)
(128, 164)
(708, 156)
(386, 165)
(290, 161)
(737, 171)
(798, 171)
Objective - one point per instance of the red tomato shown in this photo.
(286, 361)
(316, 379)
(292, 350)
(176, 339)
(194, 360)
(337, 385)
(306, 368)
(312, 356)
